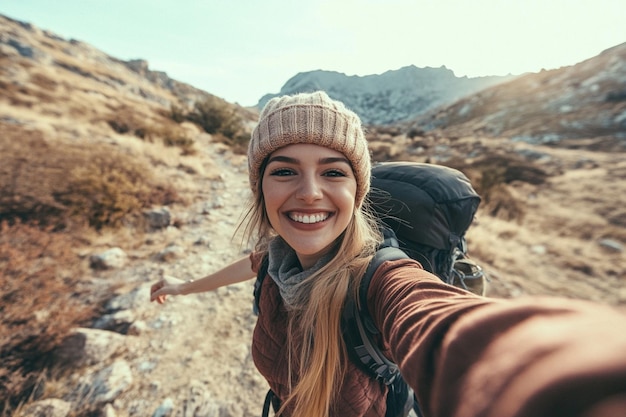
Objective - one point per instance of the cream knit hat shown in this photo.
(312, 118)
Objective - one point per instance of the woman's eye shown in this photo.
(334, 173)
(282, 172)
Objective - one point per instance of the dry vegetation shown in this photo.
(49, 192)
(52, 190)
(43, 297)
(58, 184)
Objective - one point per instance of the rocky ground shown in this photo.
(192, 354)
(188, 357)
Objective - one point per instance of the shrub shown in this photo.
(55, 185)
(126, 120)
(42, 300)
(211, 114)
(104, 192)
(501, 203)
(177, 114)
(179, 138)
(215, 116)
(110, 189)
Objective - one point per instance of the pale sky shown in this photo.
(242, 49)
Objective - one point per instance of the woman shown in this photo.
(464, 355)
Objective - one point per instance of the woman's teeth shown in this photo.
(309, 218)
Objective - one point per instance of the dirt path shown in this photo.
(195, 350)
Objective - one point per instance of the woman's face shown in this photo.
(309, 193)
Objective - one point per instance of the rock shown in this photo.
(131, 300)
(611, 245)
(147, 366)
(85, 347)
(51, 407)
(538, 249)
(165, 409)
(231, 410)
(202, 241)
(118, 322)
(170, 253)
(217, 203)
(107, 384)
(158, 218)
(137, 328)
(199, 402)
(108, 411)
(114, 258)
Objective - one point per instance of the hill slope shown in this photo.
(586, 100)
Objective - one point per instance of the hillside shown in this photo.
(117, 184)
(580, 104)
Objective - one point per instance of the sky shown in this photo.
(241, 50)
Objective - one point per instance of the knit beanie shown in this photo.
(311, 118)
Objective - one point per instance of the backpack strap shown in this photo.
(270, 400)
(359, 328)
(260, 276)
(359, 333)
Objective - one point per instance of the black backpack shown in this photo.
(425, 211)
(429, 207)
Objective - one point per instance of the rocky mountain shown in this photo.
(582, 101)
(392, 96)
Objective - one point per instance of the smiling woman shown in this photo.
(309, 198)
(463, 355)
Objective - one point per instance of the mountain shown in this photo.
(392, 96)
(586, 100)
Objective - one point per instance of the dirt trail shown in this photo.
(195, 350)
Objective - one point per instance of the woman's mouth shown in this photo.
(308, 218)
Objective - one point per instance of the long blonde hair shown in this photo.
(321, 364)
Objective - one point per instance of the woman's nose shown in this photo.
(309, 190)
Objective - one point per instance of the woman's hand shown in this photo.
(167, 285)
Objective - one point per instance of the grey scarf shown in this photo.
(284, 268)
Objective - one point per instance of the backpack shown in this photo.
(425, 211)
(429, 207)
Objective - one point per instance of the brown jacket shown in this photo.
(466, 355)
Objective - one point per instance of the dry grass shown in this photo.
(50, 189)
(43, 297)
(57, 184)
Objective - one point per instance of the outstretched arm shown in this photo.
(466, 355)
(238, 271)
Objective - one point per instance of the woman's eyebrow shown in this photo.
(281, 158)
(322, 161)
(332, 160)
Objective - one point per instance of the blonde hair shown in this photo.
(321, 364)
